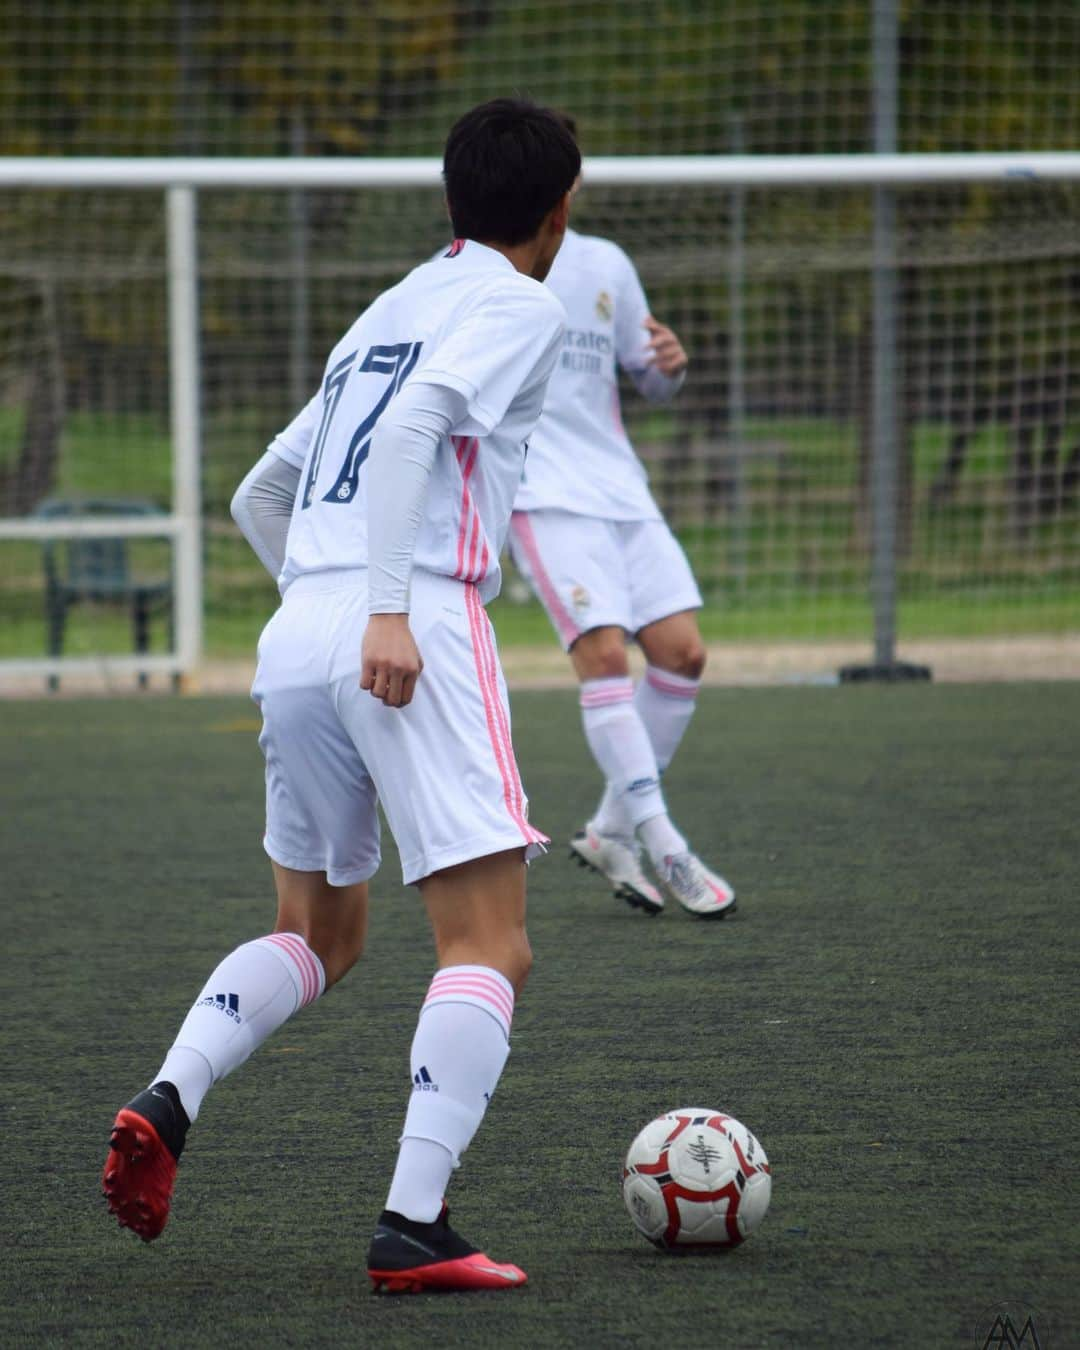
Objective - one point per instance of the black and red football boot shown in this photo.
(406, 1257)
(147, 1140)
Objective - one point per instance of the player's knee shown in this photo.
(693, 660)
(687, 659)
(601, 655)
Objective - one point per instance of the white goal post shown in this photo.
(181, 179)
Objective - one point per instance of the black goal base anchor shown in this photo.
(895, 672)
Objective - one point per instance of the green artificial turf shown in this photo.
(892, 1011)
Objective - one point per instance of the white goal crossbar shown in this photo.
(181, 178)
(621, 170)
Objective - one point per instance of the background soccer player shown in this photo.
(590, 540)
(400, 475)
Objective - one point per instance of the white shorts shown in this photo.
(443, 767)
(591, 573)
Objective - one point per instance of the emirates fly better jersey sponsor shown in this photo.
(469, 321)
(580, 459)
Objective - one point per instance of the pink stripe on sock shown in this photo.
(487, 989)
(602, 693)
(455, 989)
(666, 685)
(522, 530)
(305, 959)
(308, 978)
(606, 700)
(277, 940)
(497, 984)
(470, 994)
(305, 962)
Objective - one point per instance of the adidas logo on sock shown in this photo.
(228, 1003)
(422, 1081)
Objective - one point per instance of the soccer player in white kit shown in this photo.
(591, 542)
(378, 677)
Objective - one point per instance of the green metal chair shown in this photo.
(97, 571)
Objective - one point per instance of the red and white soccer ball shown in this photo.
(696, 1178)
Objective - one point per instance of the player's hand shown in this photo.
(666, 351)
(390, 663)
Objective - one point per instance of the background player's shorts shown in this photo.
(592, 573)
(443, 767)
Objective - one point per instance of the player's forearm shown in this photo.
(657, 387)
(262, 508)
(402, 456)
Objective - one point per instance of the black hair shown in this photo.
(506, 164)
(568, 122)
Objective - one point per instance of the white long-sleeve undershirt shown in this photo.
(657, 387)
(262, 508)
(403, 451)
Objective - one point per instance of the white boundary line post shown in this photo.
(185, 419)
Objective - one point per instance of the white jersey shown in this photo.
(580, 459)
(468, 321)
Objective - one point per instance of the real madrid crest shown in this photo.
(604, 307)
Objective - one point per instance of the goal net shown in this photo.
(763, 464)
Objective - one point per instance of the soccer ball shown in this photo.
(696, 1178)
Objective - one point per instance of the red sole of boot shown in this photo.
(139, 1174)
(467, 1272)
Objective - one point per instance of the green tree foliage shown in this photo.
(642, 76)
(188, 76)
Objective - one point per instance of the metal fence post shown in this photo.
(740, 509)
(185, 420)
(885, 389)
(300, 287)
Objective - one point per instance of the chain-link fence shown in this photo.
(764, 461)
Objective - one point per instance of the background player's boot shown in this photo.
(696, 888)
(407, 1257)
(147, 1140)
(620, 861)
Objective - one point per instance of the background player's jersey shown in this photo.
(580, 459)
(468, 321)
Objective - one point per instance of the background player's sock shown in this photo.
(665, 703)
(461, 1044)
(621, 747)
(255, 989)
(661, 839)
(609, 817)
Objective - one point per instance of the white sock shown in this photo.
(665, 703)
(661, 839)
(461, 1044)
(620, 745)
(255, 989)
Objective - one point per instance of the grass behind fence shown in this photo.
(793, 563)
